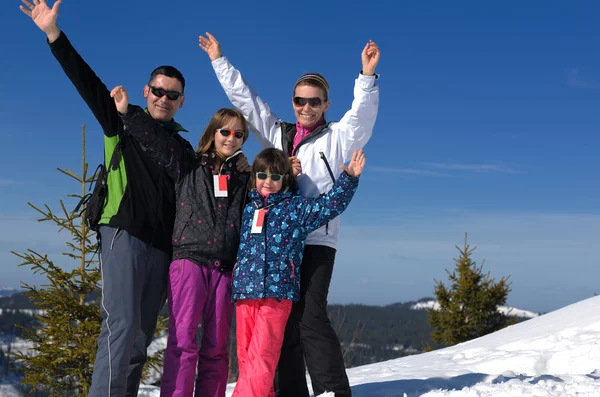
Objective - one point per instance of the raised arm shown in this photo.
(90, 87)
(176, 156)
(320, 210)
(263, 122)
(356, 127)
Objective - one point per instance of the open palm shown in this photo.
(211, 46)
(41, 14)
(357, 163)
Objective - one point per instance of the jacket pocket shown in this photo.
(179, 236)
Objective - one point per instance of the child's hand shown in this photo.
(296, 165)
(356, 165)
(211, 46)
(121, 99)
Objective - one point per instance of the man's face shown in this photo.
(161, 108)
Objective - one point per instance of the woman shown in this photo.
(321, 147)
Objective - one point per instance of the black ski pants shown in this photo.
(309, 336)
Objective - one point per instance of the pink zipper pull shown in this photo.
(293, 273)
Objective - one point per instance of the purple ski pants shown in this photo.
(197, 294)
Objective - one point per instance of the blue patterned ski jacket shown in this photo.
(268, 263)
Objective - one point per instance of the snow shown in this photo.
(29, 312)
(9, 391)
(16, 345)
(553, 355)
(507, 310)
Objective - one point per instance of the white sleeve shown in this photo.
(263, 123)
(356, 127)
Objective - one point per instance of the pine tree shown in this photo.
(3, 366)
(64, 345)
(468, 309)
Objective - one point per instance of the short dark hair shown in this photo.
(169, 71)
(277, 162)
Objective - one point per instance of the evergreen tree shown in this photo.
(3, 366)
(64, 345)
(468, 308)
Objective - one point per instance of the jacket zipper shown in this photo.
(322, 131)
(265, 266)
(227, 159)
(322, 155)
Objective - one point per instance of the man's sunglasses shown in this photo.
(226, 132)
(274, 177)
(312, 102)
(161, 92)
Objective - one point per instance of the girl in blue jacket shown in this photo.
(266, 277)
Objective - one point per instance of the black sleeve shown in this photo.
(176, 155)
(90, 87)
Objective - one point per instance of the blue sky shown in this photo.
(488, 124)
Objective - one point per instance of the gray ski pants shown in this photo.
(134, 283)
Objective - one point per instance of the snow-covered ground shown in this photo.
(554, 355)
(15, 344)
(507, 310)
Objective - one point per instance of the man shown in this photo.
(136, 223)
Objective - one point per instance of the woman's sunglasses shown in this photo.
(274, 177)
(312, 102)
(161, 92)
(226, 132)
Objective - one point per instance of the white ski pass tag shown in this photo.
(220, 185)
(259, 219)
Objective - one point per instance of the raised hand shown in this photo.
(43, 16)
(370, 58)
(357, 163)
(211, 46)
(119, 94)
(296, 165)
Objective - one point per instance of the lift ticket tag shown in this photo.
(259, 219)
(220, 185)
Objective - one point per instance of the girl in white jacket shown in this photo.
(321, 147)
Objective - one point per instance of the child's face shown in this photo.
(268, 186)
(228, 145)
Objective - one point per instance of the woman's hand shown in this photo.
(370, 58)
(211, 46)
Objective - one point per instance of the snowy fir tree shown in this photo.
(64, 344)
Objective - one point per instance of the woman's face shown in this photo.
(308, 114)
(228, 145)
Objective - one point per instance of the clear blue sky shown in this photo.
(488, 124)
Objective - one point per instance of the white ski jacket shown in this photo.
(321, 152)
